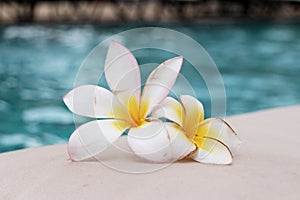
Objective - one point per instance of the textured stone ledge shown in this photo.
(268, 167)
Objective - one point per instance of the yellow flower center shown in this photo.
(137, 112)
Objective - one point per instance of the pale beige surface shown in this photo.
(268, 167)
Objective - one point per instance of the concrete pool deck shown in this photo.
(267, 167)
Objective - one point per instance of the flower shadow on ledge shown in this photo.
(127, 107)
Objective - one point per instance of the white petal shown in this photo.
(123, 74)
(159, 84)
(94, 137)
(169, 109)
(213, 152)
(90, 101)
(179, 141)
(193, 114)
(159, 142)
(217, 128)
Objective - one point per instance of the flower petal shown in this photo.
(180, 145)
(218, 129)
(159, 84)
(212, 151)
(124, 113)
(90, 101)
(94, 137)
(160, 142)
(193, 114)
(123, 75)
(169, 109)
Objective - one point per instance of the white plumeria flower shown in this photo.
(124, 107)
(214, 140)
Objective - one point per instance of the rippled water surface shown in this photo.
(259, 64)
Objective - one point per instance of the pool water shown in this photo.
(259, 64)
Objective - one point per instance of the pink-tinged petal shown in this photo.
(123, 74)
(219, 129)
(169, 109)
(159, 142)
(212, 151)
(90, 101)
(193, 114)
(94, 137)
(159, 84)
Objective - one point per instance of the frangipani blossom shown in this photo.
(124, 107)
(214, 139)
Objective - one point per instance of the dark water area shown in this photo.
(259, 64)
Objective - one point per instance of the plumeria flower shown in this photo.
(214, 140)
(124, 107)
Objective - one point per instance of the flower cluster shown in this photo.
(184, 132)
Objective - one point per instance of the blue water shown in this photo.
(259, 64)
